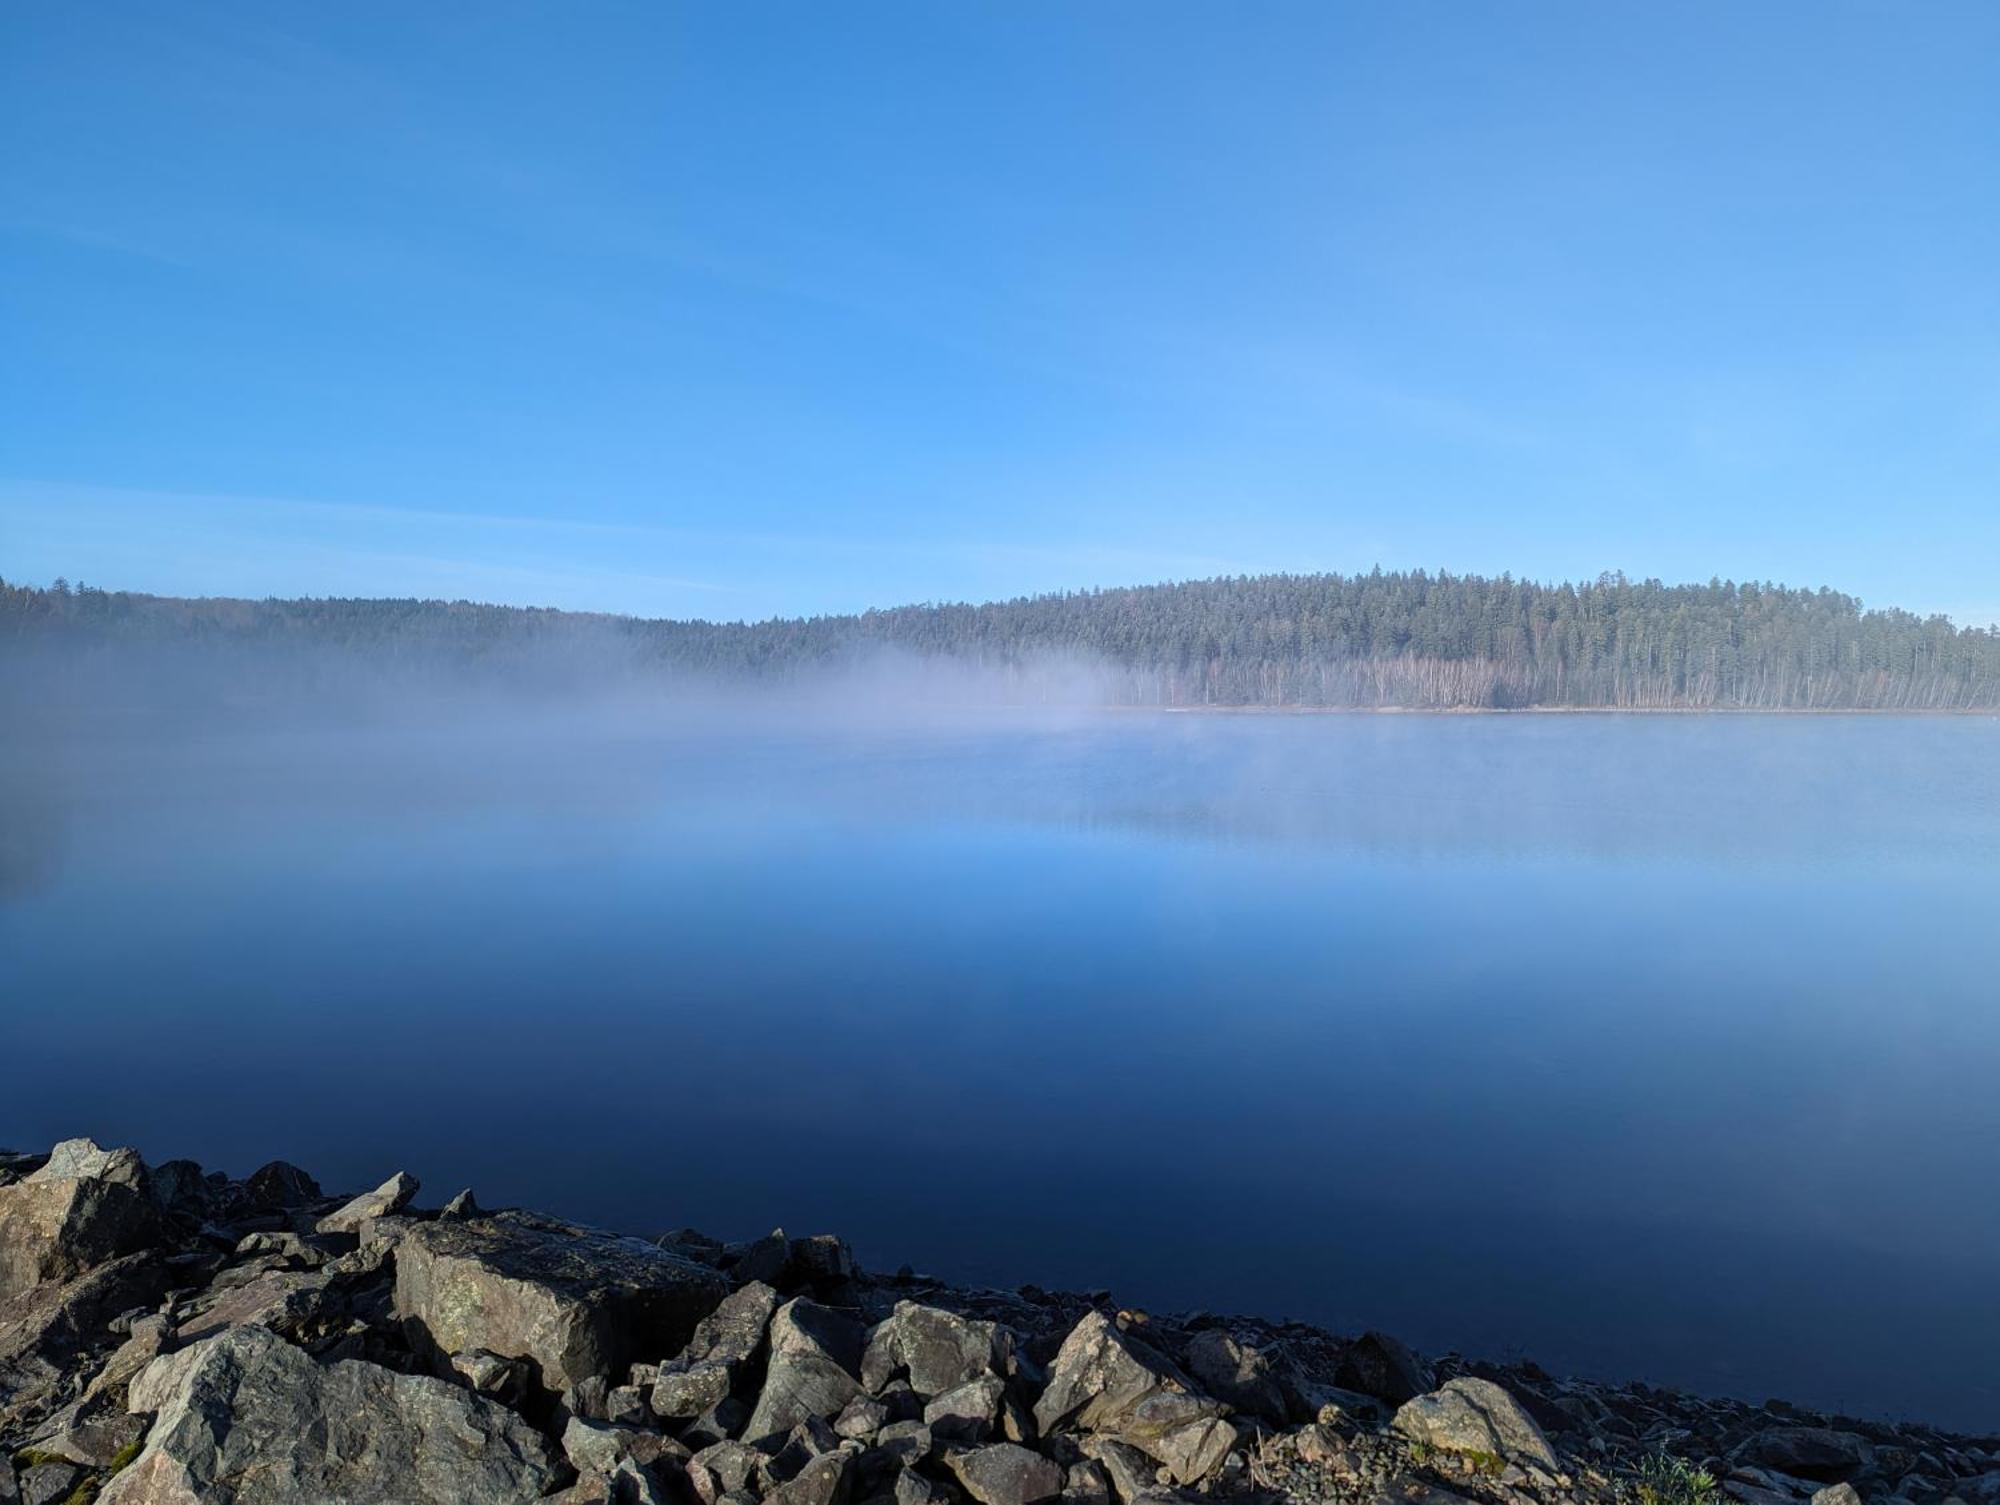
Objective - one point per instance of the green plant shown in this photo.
(1667, 1480)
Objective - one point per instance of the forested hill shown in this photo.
(1406, 639)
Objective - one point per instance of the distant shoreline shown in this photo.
(1545, 710)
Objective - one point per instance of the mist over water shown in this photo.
(1659, 1047)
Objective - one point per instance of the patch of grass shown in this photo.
(1479, 1461)
(1666, 1480)
(124, 1456)
(36, 1457)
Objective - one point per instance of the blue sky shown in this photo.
(752, 308)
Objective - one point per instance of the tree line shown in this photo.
(1410, 638)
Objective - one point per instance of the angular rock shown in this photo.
(716, 1356)
(491, 1374)
(1817, 1453)
(575, 1302)
(1476, 1416)
(1837, 1494)
(907, 1442)
(47, 1332)
(1004, 1473)
(862, 1418)
(595, 1446)
(826, 1480)
(279, 1186)
(460, 1207)
(180, 1186)
(814, 1364)
(85, 1207)
(1378, 1365)
(291, 1302)
(49, 1483)
(391, 1197)
(939, 1350)
(968, 1412)
(1086, 1483)
(245, 1417)
(1236, 1373)
(1105, 1381)
(86, 1160)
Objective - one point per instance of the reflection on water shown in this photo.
(1651, 1046)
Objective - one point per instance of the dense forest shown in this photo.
(1413, 639)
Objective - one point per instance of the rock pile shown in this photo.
(169, 1336)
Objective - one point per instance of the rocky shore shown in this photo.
(170, 1336)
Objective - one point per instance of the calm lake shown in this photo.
(1658, 1047)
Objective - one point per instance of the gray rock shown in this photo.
(1476, 1416)
(1104, 1381)
(1378, 1365)
(626, 1406)
(180, 1186)
(691, 1392)
(48, 1483)
(1086, 1483)
(460, 1207)
(968, 1412)
(281, 1186)
(391, 1197)
(292, 1302)
(1005, 1473)
(912, 1488)
(1817, 1453)
(717, 1354)
(85, 1207)
(493, 1375)
(1237, 1373)
(600, 1447)
(1837, 1494)
(862, 1418)
(939, 1350)
(907, 1442)
(85, 1160)
(47, 1331)
(93, 1443)
(1981, 1489)
(575, 1302)
(813, 1368)
(246, 1417)
(826, 1480)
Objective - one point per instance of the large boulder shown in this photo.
(1476, 1416)
(575, 1302)
(245, 1417)
(1104, 1381)
(814, 1368)
(939, 1350)
(85, 1206)
(716, 1358)
(391, 1197)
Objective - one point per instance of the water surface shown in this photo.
(1662, 1047)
